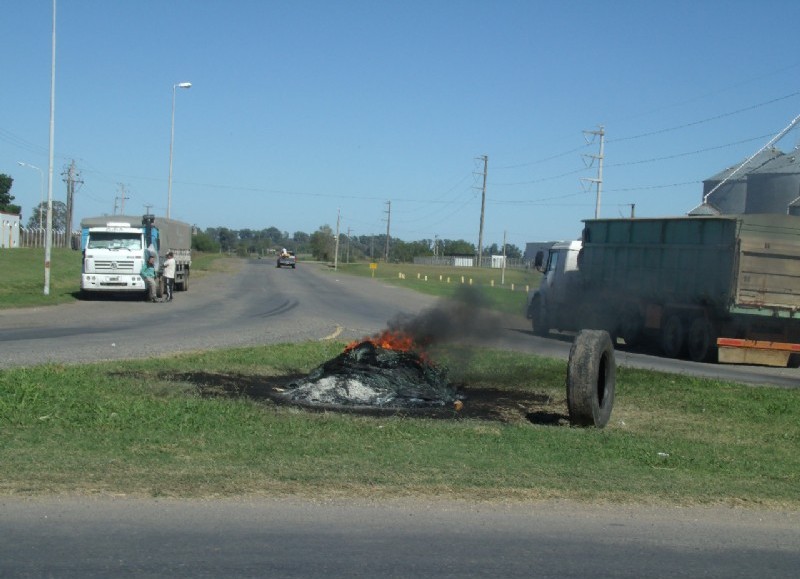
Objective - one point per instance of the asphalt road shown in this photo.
(118, 537)
(260, 304)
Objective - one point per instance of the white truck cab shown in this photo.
(560, 269)
(113, 258)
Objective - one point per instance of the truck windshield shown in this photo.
(114, 240)
(552, 263)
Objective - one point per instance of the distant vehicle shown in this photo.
(287, 259)
(716, 287)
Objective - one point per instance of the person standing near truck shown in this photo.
(169, 276)
(149, 277)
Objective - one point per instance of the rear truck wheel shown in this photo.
(701, 340)
(672, 337)
(591, 379)
(539, 318)
(185, 284)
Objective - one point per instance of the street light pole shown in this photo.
(48, 242)
(172, 142)
(41, 187)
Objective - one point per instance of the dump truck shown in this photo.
(115, 247)
(704, 287)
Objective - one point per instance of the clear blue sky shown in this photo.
(302, 108)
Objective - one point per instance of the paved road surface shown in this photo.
(108, 537)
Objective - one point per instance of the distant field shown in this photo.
(504, 291)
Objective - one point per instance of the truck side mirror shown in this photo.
(538, 261)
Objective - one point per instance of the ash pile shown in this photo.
(367, 374)
(392, 369)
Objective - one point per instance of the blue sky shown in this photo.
(304, 109)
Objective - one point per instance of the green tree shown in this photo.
(323, 244)
(204, 242)
(59, 216)
(6, 197)
(457, 247)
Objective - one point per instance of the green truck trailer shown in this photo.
(725, 287)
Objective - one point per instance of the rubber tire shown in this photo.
(673, 337)
(185, 284)
(539, 319)
(701, 341)
(591, 379)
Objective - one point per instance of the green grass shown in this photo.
(199, 425)
(22, 280)
(506, 293)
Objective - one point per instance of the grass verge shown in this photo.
(22, 281)
(164, 428)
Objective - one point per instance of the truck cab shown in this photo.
(112, 258)
(559, 284)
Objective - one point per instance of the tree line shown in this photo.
(321, 245)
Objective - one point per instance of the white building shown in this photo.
(9, 230)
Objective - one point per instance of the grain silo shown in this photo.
(727, 191)
(775, 185)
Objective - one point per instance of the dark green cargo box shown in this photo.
(743, 264)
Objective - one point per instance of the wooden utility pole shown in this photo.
(71, 177)
(336, 252)
(388, 225)
(483, 206)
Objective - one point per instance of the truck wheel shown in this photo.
(702, 340)
(539, 318)
(672, 337)
(591, 379)
(185, 285)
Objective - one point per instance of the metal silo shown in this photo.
(774, 186)
(731, 196)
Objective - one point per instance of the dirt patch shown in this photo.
(506, 406)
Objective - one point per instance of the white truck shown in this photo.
(115, 247)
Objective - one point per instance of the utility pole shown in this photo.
(348, 246)
(71, 177)
(388, 224)
(122, 198)
(336, 253)
(599, 180)
(503, 275)
(483, 206)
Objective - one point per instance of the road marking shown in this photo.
(334, 335)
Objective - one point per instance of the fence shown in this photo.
(35, 237)
(459, 261)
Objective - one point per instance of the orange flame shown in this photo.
(388, 340)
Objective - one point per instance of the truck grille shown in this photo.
(117, 266)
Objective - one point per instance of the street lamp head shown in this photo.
(184, 85)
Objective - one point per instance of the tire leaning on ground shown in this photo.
(591, 379)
